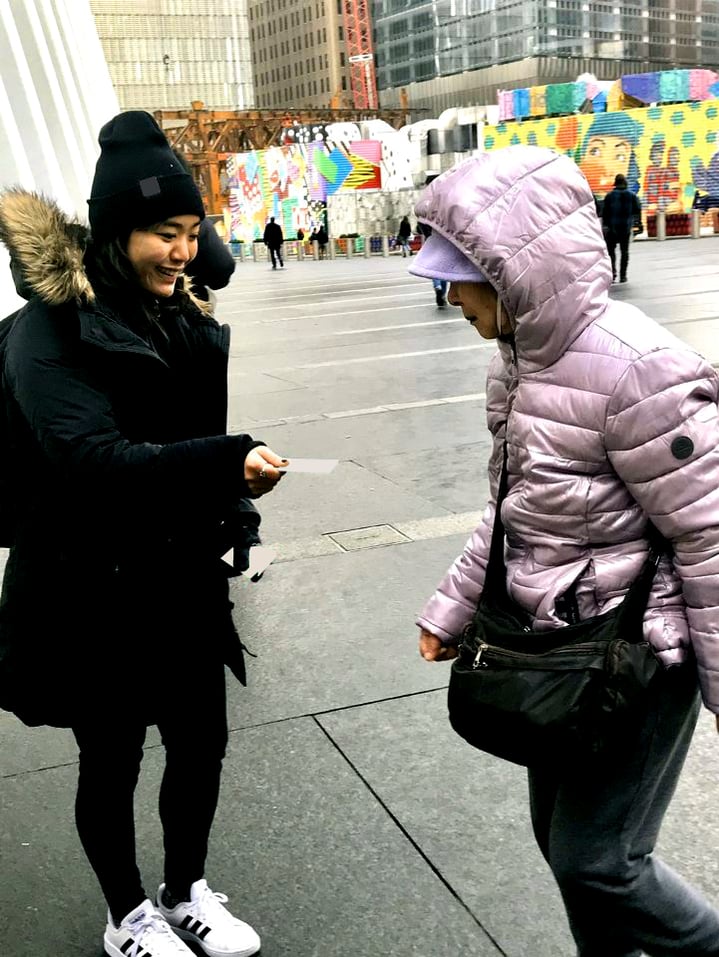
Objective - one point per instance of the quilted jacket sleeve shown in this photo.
(453, 604)
(662, 438)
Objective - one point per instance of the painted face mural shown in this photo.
(608, 150)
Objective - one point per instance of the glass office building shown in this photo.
(421, 40)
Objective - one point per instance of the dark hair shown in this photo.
(620, 181)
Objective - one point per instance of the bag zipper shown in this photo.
(589, 647)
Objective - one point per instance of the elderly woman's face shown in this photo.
(479, 305)
(160, 253)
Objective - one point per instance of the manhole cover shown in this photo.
(370, 537)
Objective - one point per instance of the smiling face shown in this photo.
(478, 302)
(159, 253)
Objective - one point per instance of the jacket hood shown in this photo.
(527, 218)
(46, 247)
(47, 251)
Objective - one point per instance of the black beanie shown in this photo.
(138, 180)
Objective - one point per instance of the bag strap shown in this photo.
(496, 575)
(495, 580)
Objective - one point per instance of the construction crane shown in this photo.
(360, 53)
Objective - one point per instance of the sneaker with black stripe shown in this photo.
(206, 922)
(143, 933)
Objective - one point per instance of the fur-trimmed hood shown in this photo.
(47, 251)
(47, 248)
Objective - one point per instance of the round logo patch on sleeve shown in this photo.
(682, 447)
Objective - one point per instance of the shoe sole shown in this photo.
(189, 938)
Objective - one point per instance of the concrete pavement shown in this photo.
(353, 823)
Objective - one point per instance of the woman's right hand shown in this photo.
(261, 470)
(432, 649)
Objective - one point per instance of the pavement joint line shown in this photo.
(384, 358)
(371, 410)
(401, 325)
(415, 530)
(337, 710)
(331, 315)
(251, 727)
(305, 305)
(411, 840)
(324, 288)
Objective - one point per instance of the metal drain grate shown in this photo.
(373, 536)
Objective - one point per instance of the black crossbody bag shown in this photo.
(555, 696)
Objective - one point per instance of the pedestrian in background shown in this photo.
(404, 234)
(609, 424)
(273, 239)
(322, 240)
(620, 210)
(126, 493)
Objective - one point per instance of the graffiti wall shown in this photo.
(292, 183)
(666, 152)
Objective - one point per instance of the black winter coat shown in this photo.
(126, 489)
(273, 236)
(214, 264)
(620, 209)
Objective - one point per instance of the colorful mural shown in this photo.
(292, 183)
(667, 153)
(666, 86)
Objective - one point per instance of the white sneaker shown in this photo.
(203, 920)
(143, 933)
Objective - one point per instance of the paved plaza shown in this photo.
(353, 823)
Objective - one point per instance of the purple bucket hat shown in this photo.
(440, 259)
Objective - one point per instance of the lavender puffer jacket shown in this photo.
(610, 420)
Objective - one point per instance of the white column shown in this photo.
(55, 94)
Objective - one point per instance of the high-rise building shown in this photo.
(298, 54)
(459, 52)
(163, 54)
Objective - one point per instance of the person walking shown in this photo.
(273, 239)
(322, 241)
(126, 493)
(404, 234)
(620, 210)
(609, 424)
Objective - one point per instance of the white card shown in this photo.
(317, 466)
(260, 559)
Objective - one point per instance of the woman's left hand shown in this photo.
(261, 470)
(432, 649)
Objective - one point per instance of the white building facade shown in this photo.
(55, 94)
(163, 54)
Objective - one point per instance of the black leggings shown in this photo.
(193, 726)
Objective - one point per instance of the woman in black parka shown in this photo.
(125, 493)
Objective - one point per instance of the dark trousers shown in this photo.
(597, 827)
(193, 727)
(621, 240)
(276, 254)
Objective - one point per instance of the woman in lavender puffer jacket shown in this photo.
(610, 422)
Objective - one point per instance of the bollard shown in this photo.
(333, 251)
(350, 247)
(696, 224)
(315, 250)
(300, 249)
(254, 252)
(385, 246)
(367, 244)
(661, 225)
